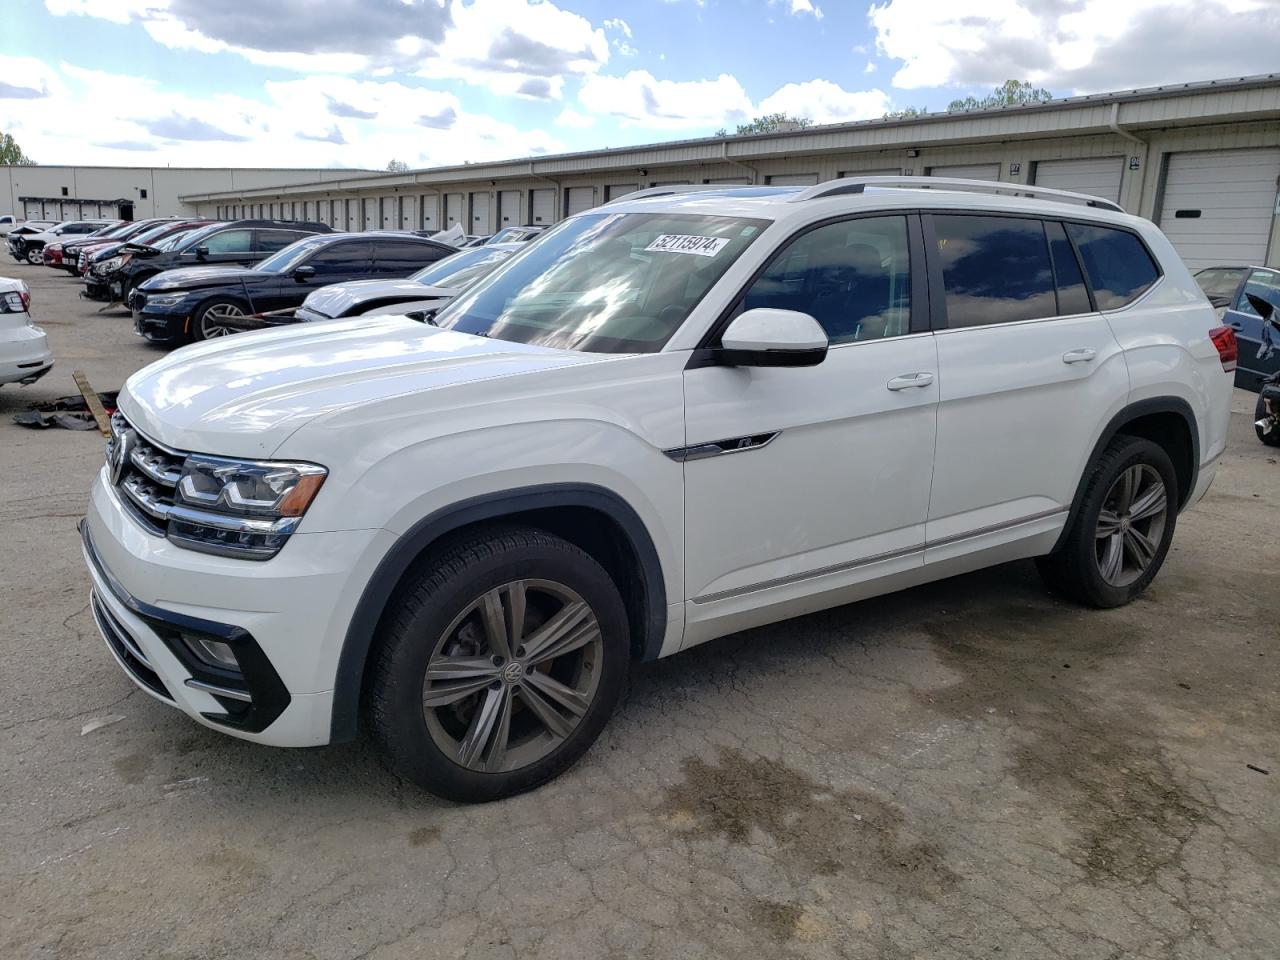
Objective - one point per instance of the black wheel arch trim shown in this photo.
(363, 625)
(1139, 408)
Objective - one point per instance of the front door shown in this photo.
(804, 483)
(1242, 318)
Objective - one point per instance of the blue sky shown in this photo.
(356, 83)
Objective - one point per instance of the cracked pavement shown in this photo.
(967, 769)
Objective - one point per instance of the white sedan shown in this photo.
(427, 290)
(24, 348)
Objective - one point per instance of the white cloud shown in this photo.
(570, 117)
(801, 7)
(617, 23)
(517, 47)
(640, 99)
(825, 102)
(96, 117)
(1084, 46)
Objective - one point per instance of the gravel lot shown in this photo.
(968, 769)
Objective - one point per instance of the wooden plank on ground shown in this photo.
(95, 405)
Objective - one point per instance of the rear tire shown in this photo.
(498, 665)
(35, 257)
(1119, 538)
(1271, 438)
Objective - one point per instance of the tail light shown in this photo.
(1224, 338)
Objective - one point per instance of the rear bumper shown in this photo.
(24, 354)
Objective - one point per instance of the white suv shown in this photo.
(680, 415)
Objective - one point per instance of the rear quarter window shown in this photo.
(1118, 265)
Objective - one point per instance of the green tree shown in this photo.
(906, 113)
(1009, 93)
(769, 123)
(397, 166)
(11, 153)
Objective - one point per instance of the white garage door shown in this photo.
(428, 207)
(543, 204)
(480, 214)
(971, 171)
(453, 210)
(1097, 176)
(793, 180)
(578, 199)
(615, 190)
(508, 208)
(1218, 205)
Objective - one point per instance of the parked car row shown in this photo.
(26, 243)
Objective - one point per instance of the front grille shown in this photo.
(126, 648)
(145, 473)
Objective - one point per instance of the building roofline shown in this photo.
(750, 144)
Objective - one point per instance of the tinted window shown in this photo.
(269, 241)
(1119, 267)
(399, 258)
(342, 259)
(1263, 284)
(1073, 298)
(853, 277)
(995, 269)
(229, 241)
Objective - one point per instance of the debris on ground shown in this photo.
(67, 413)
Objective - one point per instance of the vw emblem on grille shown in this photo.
(118, 455)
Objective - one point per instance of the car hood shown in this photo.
(245, 395)
(191, 278)
(336, 299)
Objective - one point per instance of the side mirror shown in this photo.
(765, 337)
(201, 252)
(304, 273)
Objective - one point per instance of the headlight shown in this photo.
(164, 299)
(242, 508)
(113, 263)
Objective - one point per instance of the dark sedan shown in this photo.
(203, 302)
(1227, 288)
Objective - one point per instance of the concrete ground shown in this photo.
(969, 769)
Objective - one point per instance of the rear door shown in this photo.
(1028, 371)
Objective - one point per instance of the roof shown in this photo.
(1210, 101)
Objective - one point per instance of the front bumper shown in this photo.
(168, 327)
(285, 619)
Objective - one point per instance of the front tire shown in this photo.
(209, 320)
(1122, 531)
(35, 257)
(498, 666)
(1272, 437)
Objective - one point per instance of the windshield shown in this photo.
(118, 230)
(171, 243)
(1220, 281)
(605, 283)
(461, 269)
(512, 234)
(147, 236)
(282, 261)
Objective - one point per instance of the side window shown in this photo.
(270, 241)
(1264, 284)
(853, 277)
(399, 258)
(1119, 267)
(1073, 298)
(342, 259)
(994, 269)
(229, 241)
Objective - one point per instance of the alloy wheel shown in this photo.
(213, 323)
(1131, 525)
(512, 675)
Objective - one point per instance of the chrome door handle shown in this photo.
(910, 380)
(1079, 356)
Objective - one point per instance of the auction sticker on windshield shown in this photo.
(686, 243)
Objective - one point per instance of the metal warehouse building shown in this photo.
(42, 192)
(1200, 159)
